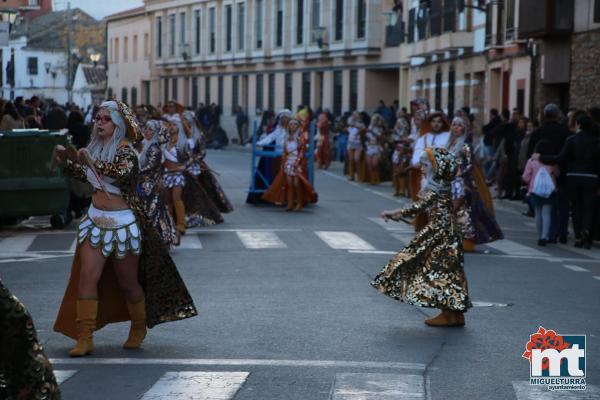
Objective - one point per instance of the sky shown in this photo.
(98, 8)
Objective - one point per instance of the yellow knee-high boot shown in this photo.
(137, 331)
(180, 216)
(87, 312)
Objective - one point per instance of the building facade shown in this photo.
(267, 54)
(129, 56)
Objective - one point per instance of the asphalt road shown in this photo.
(287, 312)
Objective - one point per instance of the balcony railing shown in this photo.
(394, 34)
(425, 22)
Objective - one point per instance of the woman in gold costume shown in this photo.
(120, 271)
(429, 271)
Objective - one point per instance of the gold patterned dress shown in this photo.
(429, 271)
(25, 372)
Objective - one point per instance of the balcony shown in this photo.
(451, 41)
(394, 34)
(545, 18)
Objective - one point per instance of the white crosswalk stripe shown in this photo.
(194, 385)
(16, 244)
(190, 242)
(525, 391)
(516, 249)
(344, 240)
(260, 240)
(576, 268)
(393, 226)
(367, 386)
(63, 375)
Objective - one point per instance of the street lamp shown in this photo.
(47, 65)
(95, 58)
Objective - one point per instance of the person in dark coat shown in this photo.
(56, 119)
(556, 133)
(580, 154)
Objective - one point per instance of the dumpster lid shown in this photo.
(33, 132)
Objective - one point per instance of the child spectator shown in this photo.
(541, 181)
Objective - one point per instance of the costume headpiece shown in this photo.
(160, 130)
(133, 128)
(178, 107)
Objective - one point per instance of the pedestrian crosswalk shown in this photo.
(26, 246)
(225, 385)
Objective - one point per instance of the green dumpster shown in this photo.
(27, 185)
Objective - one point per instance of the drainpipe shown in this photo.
(532, 52)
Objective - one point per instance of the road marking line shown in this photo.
(404, 237)
(16, 243)
(371, 252)
(592, 253)
(62, 376)
(576, 268)
(515, 249)
(393, 226)
(73, 246)
(205, 230)
(597, 277)
(260, 240)
(194, 385)
(357, 386)
(239, 363)
(343, 240)
(190, 242)
(526, 391)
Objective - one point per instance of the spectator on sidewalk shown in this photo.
(11, 119)
(522, 159)
(241, 120)
(541, 181)
(580, 153)
(556, 133)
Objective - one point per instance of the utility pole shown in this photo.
(69, 61)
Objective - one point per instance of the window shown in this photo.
(133, 97)
(259, 91)
(159, 37)
(165, 90)
(195, 93)
(438, 89)
(124, 95)
(339, 20)
(235, 89)
(306, 88)
(125, 49)
(435, 19)
(449, 16)
(228, 27)
(337, 92)
(315, 15)
(259, 24)
(182, 41)
(411, 25)
(174, 89)
(220, 90)
(172, 35)
(300, 22)
(288, 91)
(241, 23)
(361, 19)
(109, 52)
(135, 48)
(279, 23)
(207, 90)
(32, 65)
(451, 91)
(213, 29)
(197, 31)
(271, 99)
(353, 90)
(597, 11)
(117, 50)
(147, 92)
(510, 19)
(109, 93)
(146, 45)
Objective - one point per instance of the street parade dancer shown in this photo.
(197, 166)
(356, 132)
(374, 136)
(324, 146)
(429, 271)
(433, 132)
(25, 372)
(120, 271)
(291, 185)
(151, 180)
(472, 200)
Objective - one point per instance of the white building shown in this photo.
(37, 71)
(89, 85)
